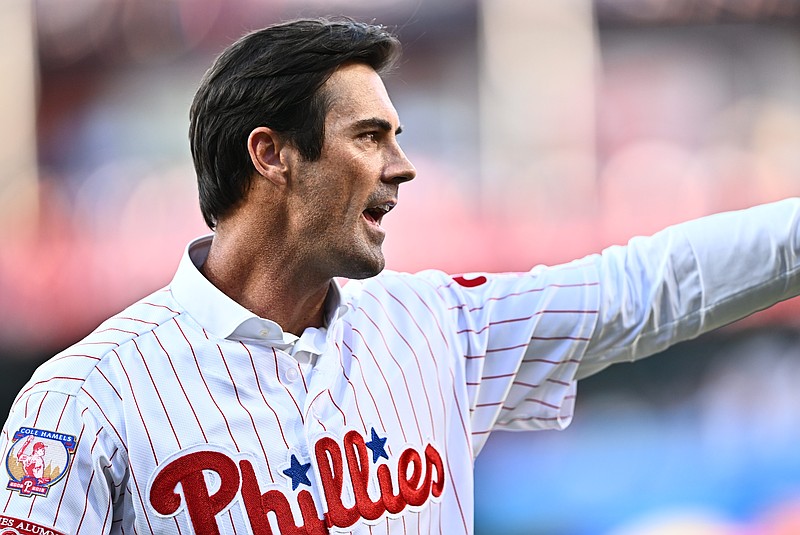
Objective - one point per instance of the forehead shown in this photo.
(357, 92)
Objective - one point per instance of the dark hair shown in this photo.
(272, 77)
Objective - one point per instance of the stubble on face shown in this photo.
(341, 196)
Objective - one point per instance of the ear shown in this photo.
(266, 152)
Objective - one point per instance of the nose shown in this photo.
(400, 168)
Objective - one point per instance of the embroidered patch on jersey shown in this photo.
(37, 460)
(16, 526)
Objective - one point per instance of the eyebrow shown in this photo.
(375, 122)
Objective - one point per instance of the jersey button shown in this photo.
(292, 374)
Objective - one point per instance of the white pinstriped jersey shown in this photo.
(187, 414)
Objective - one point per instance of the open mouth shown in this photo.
(374, 214)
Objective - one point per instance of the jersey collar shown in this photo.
(223, 317)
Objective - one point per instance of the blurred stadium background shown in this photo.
(542, 131)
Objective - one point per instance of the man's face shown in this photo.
(338, 201)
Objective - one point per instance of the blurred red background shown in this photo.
(542, 132)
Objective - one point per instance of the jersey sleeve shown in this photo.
(527, 338)
(77, 479)
(522, 337)
(691, 278)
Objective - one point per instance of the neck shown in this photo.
(265, 281)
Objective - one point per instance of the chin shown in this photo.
(363, 267)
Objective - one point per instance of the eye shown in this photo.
(369, 137)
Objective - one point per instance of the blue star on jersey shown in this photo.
(298, 472)
(377, 446)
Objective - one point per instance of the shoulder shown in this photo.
(397, 286)
(562, 285)
(68, 371)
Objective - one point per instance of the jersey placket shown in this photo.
(323, 412)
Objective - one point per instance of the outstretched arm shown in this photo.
(691, 278)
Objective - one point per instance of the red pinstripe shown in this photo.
(558, 338)
(208, 390)
(308, 409)
(139, 410)
(492, 323)
(158, 394)
(422, 332)
(108, 421)
(492, 404)
(141, 500)
(180, 383)
(110, 464)
(233, 524)
(364, 380)
(509, 348)
(249, 414)
(135, 334)
(553, 362)
(161, 306)
(352, 387)
(277, 375)
(556, 381)
(303, 377)
(414, 353)
(344, 418)
(261, 391)
(85, 504)
(108, 514)
(500, 376)
(413, 319)
(469, 443)
(103, 375)
(137, 319)
(577, 311)
(534, 400)
(402, 372)
(64, 408)
(388, 388)
(39, 410)
(66, 483)
(45, 381)
(74, 355)
(526, 292)
(33, 501)
(525, 318)
(539, 289)
(96, 437)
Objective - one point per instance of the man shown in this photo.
(32, 461)
(256, 395)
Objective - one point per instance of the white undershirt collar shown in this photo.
(225, 318)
